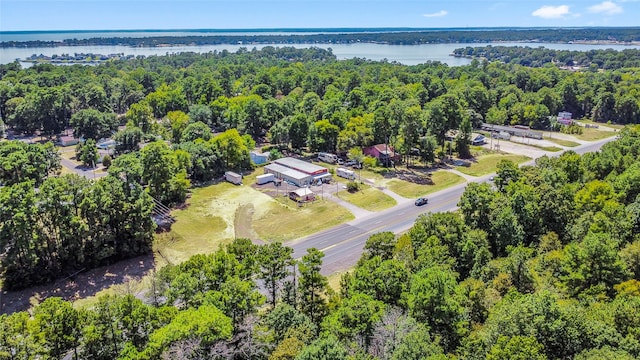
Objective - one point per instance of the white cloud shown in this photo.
(437, 14)
(552, 12)
(606, 7)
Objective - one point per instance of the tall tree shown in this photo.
(93, 124)
(274, 260)
(313, 285)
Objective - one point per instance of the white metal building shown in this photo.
(288, 174)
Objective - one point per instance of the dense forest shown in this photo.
(437, 36)
(545, 264)
(199, 115)
(54, 227)
(537, 57)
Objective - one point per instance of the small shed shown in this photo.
(302, 194)
(259, 158)
(68, 141)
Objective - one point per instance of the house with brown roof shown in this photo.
(383, 152)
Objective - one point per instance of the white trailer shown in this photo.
(233, 178)
(265, 178)
(345, 173)
(327, 157)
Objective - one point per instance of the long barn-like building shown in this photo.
(298, 172)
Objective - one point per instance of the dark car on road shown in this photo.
(421, 201)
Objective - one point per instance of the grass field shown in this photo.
(283, 220)
(205, 223)
(441, 180)
(591, 122)
(368, 198)
(590, 134)
(486, 164)
(546, 148)
(562, 142)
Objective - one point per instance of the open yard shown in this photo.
(591, 122)
(591, 134)
(486, 164)
(217, 213)
(562, 142)
(440, 180)
(368, 198)
(281, 219)
(546, 148)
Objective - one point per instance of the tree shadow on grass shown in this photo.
(80, 286)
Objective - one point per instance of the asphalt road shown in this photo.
(343, 244)
(80, 170)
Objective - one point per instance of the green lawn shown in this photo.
(368, 198)
(562, 142)
(546, 148)
(590, 134)
(283, 220)
(441, 180)
(204, 223)
(486, 164)
(591, 122)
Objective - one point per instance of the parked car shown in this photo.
(421, 201)
(350, 163)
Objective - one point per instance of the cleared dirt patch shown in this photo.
(243, 222)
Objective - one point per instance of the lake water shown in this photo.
(404, 54)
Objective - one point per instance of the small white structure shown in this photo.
(265, 178)
(345, 173)
(327, 157)
(233, 178)
(302, 194)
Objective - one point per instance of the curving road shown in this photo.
(343, 244)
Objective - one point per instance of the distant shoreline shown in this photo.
(389, 36)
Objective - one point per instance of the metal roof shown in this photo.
(300, 165)
(294, 174)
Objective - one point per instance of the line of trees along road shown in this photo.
(545, 265)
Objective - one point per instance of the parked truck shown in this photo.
(345, 173)
(265, 178)
(233, 178)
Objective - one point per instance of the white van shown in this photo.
(328, 157)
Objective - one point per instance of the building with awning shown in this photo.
(293, 176)
(302, 194)
(298, 172)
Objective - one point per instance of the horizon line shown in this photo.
(316, 29)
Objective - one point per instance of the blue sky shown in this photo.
(246, 14)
